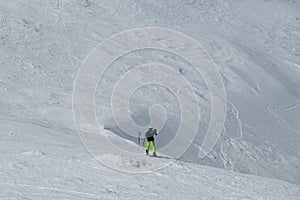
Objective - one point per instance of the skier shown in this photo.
(150, 140)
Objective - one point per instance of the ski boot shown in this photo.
(147, 152)
(154, 154)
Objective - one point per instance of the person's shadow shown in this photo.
(165, 157)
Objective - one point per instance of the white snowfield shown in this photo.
(256, 47)
(39, 162)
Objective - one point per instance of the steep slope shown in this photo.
(255, 45)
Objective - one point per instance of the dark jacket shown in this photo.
(150, 134)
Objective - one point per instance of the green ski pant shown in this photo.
(152, 145)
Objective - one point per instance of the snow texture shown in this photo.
(256, 46)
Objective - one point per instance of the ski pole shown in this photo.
(139, 138)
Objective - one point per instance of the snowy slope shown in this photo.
(255, 45)
(52, 164)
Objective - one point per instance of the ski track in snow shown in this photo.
(293, 106)
(52, 189)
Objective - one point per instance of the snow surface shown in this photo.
(39, 162)
(256, 46)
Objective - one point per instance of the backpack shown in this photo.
(151, 133)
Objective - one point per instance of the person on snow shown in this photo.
(150, 140)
